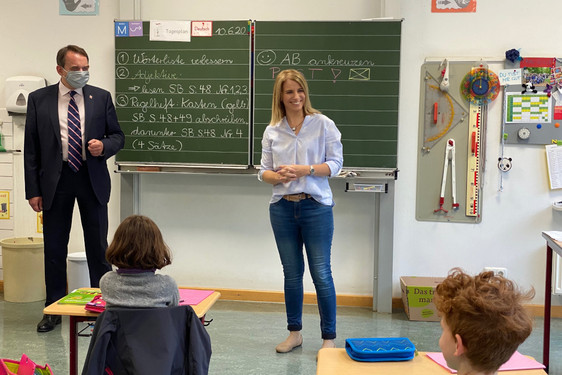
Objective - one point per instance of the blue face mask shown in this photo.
(77, 79)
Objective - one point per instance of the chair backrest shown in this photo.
(167, 340)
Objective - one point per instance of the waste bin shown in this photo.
(24, 270)
(77, 271)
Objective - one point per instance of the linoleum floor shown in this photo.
(244, 336)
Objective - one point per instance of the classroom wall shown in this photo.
(218, 225)
(512, 220)
(31, 32)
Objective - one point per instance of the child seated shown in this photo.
(483, 321)
(138, 250)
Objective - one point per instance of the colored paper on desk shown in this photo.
(79, 297)
(96, 305)
(193, 296)
(517, 362)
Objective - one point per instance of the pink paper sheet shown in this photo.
(193, 296)
(517, 362)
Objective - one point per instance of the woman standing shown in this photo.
(301, 148)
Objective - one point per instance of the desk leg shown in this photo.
(547, 305)
(73, 363)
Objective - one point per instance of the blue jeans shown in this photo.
(312, 224)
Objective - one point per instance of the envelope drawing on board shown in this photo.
(360, 74)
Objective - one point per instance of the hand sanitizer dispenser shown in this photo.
(17, 90)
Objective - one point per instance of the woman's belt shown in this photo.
(296, 197)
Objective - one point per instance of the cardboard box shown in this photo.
(417, 296)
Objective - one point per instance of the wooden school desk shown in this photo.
(336, 361)
(551, 246)
(78, 314)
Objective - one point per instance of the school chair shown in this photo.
(166, 340)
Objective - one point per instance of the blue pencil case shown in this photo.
(380, 349)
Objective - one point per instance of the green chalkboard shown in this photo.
(352, 69)
(184, 102)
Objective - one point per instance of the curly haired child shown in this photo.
(483, 320)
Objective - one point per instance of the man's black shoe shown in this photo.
(48, 323)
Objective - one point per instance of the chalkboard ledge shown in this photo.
(349, 174)
(184, 168)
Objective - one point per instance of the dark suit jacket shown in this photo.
(162, 340)
(43, 149)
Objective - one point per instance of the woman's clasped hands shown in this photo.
(288, 173)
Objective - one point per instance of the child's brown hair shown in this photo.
(486, 311)
(138, 243)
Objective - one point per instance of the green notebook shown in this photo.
(79, 297)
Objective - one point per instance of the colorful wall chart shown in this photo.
(527, 108)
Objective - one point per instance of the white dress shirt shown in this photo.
(318, 142)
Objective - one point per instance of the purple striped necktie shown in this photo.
(74, 135)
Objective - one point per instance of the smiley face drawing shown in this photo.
(266, 57)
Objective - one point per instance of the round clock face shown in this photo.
(480, 86)
(524, 133)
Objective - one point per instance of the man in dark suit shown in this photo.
(71, 130)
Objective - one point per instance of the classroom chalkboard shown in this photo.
(352, 69)
(184, 102)
(207, 101)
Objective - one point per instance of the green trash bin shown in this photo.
(24, 271)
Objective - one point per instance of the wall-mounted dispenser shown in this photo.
(17, 90)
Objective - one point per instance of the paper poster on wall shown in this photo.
(538, 70)
(554, 164)
(453, 6)
(527, 108)
(4, 205)
(510, 77)
(202, 28)
(557, 98)
(128, 28)
(170, 31)
(79, 7)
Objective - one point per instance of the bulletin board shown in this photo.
(445, 116)
(533, 115)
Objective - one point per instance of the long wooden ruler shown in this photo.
(475, 150)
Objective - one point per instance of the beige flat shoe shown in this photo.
(293, 341)
(328, 344)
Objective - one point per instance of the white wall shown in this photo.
(510, 232)
(31, 33)
(218, 225)
(7, 177)
(263, 10)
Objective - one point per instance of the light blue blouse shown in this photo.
(319, 141)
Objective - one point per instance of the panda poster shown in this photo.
(453, 6)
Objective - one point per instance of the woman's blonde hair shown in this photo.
(138, 244)
(277, 106)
